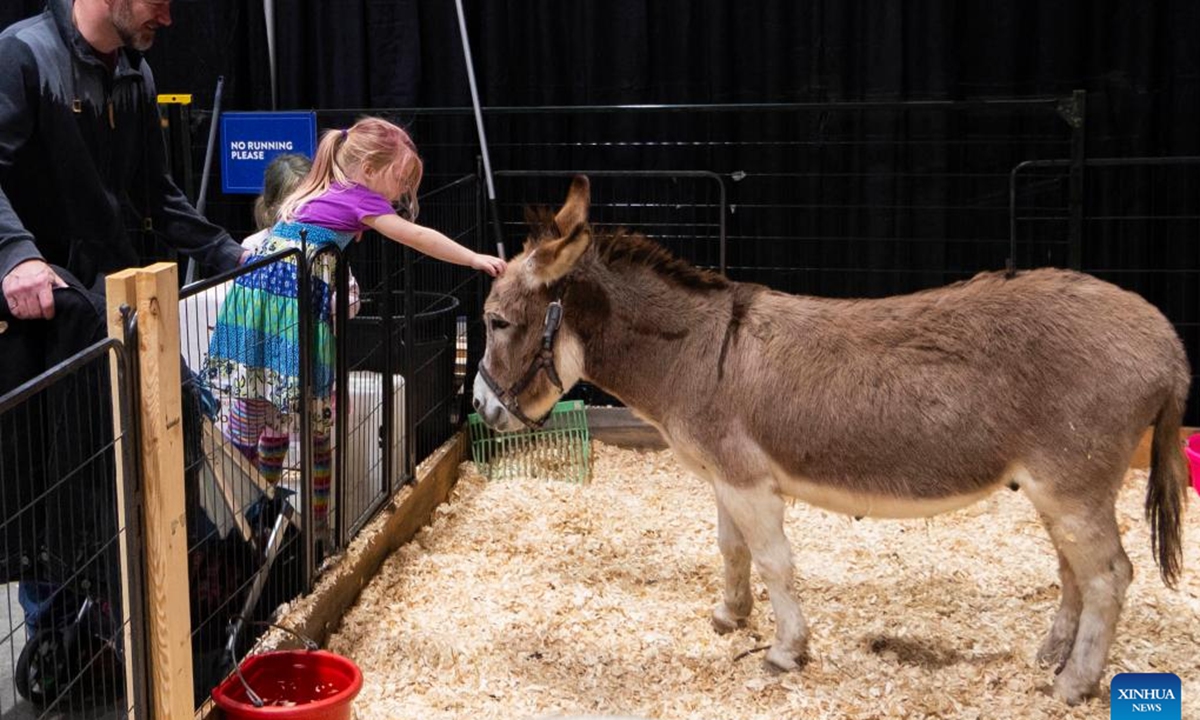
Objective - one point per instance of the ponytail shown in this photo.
(325, 172)
(370, 143)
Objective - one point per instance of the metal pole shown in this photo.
(339, 490)
(387, 328)
(202, 199)
(497, 235)
(409, 363)
(269, 14)
(308, 552)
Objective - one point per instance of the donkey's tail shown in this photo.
(1167, 490)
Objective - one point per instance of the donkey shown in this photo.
(898, 407)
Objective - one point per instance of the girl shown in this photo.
(356, 176)
(255, 427)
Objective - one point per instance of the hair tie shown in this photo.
(345, 132)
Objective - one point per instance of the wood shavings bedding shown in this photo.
(531, 598)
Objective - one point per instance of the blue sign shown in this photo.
(249, 140)
(1145, 696)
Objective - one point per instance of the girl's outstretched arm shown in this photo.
(433, 243)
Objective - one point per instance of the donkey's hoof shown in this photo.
(726, 622)
(781, 661)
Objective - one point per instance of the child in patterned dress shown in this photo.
(356, 176)
(255, 427)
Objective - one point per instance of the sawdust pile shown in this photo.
(534, 598)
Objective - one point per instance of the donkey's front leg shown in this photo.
(757, 512)
(732, 612)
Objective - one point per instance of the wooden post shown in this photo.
(165, 517)
(120, 290)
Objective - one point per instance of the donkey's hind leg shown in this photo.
(1056, 647)
(757, 511)
(733, 610)
(1084, 530)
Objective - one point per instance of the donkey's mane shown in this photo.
(621, 247)
(624, 247)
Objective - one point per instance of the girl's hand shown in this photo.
(489, 264)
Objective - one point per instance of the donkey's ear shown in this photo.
(552, 259)
(574, 212)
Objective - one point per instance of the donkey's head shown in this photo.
(532, 356)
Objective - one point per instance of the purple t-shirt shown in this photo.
(343, 207)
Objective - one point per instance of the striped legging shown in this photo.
(260, 432)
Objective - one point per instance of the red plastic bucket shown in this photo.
(1193, 456)
(293, 685)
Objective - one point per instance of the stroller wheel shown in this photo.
(58, 661)
(42, 669)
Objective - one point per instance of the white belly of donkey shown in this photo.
(860, 504)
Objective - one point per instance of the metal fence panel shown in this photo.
(73, 642)
(238, 515)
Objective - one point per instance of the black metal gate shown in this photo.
(73, 642)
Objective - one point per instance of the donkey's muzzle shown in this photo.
(490, 408)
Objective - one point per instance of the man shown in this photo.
(81, 155)
(81, 162)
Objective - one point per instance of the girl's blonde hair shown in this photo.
(370, 143)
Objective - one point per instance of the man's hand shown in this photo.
(29, 290)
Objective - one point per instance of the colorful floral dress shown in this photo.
(254, 352)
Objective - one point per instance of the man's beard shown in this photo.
(133, 36)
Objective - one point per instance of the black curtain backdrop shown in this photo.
(1139, 60)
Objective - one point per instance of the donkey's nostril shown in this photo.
(476, 402)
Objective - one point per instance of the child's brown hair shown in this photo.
(280, 179)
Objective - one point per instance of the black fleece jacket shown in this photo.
(82, 157)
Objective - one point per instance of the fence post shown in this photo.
(156, 297)
(120, 291)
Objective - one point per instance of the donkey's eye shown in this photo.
(498, 323)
